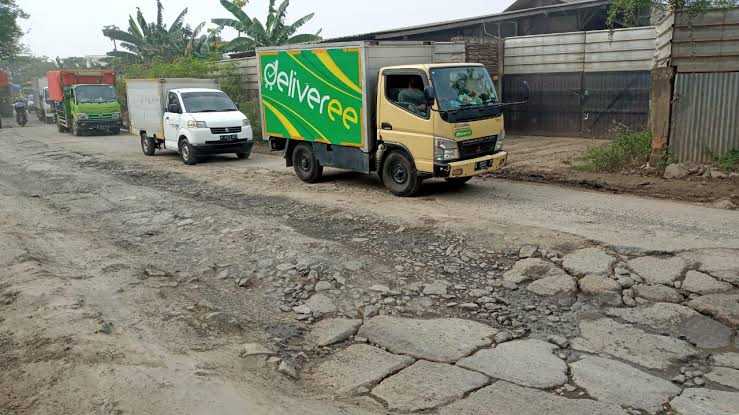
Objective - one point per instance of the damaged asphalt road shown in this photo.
(133, 285)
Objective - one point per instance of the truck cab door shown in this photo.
(172, 120)
(404, 117)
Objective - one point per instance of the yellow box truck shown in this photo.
(407, 111)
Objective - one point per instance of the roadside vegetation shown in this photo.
(729, 162)
(628, 150)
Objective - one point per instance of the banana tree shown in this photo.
(146, 41)
(274, 32)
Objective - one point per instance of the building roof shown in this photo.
(454, 24)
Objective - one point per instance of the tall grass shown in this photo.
(625, 151)
(730, 161)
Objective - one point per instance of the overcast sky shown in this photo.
(73, 27)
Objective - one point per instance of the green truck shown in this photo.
(85, 100)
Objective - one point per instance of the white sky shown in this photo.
(73, 27)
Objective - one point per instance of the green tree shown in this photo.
(627, 12)
(253, 34)
(26, 68)
(145, 42)
(10, 30)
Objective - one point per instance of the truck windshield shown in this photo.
(463, 87)
(207, 102)
(87, 94)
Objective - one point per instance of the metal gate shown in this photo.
(587, 104)
(705, 115)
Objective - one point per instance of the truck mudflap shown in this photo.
(476, 166)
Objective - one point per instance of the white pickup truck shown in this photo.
(191, 116)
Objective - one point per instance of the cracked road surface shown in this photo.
(133, 285)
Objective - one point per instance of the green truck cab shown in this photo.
(85, 100)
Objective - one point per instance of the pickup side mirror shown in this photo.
(238, 106)
(174, 109)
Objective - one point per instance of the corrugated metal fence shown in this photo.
(705, 115)
(593, 84)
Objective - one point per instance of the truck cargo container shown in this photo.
(6, 109)
(190, 116)
(85, 100)
(408, 111)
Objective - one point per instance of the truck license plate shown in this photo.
(484, 165)
(230, 137)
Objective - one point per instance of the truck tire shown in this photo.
(400, 175)
(148, 146)
(458, 181)
(242, 156)
(187, 153)
(306, 166)
(75, 129)
(60, 128)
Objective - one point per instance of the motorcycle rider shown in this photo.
(20, 106)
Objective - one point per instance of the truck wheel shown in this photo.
(147, 145)
(400, 175)
(187, 153)
(60, 128)
(242, 156)
(75, 129)
(306, 166)
(458, 181)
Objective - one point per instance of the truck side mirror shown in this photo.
(430, 94)
(526, 91)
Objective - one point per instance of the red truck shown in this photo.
(6, 110)
(85, 100)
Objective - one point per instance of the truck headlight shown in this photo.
(246, 123)
(499, 143)
(445, 149)
(116, 115)
(197, 124)
(82, 116)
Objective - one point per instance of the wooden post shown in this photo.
(660, 110)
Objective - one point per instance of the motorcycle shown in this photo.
(21, 116)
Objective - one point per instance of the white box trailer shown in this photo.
(147, 99)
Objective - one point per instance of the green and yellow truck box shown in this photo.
(314, 95)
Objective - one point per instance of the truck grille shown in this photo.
(225, 130)
(478, 147)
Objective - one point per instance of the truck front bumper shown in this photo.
(217, 147)
(472, 167)
(98, 124)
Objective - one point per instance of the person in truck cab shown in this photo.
(413, 97)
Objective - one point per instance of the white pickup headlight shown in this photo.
(246, 123)
(499, 143)
(197, 124)
(82, 116)
(445, 149)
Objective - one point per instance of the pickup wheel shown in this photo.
(147, 145)
(187, 154)
(400, 175)
(306, 166)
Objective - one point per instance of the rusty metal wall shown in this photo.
(705, 115)
(554, 107)
(578, 104)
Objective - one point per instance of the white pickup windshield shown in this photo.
(207, 102)
(463, 87)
